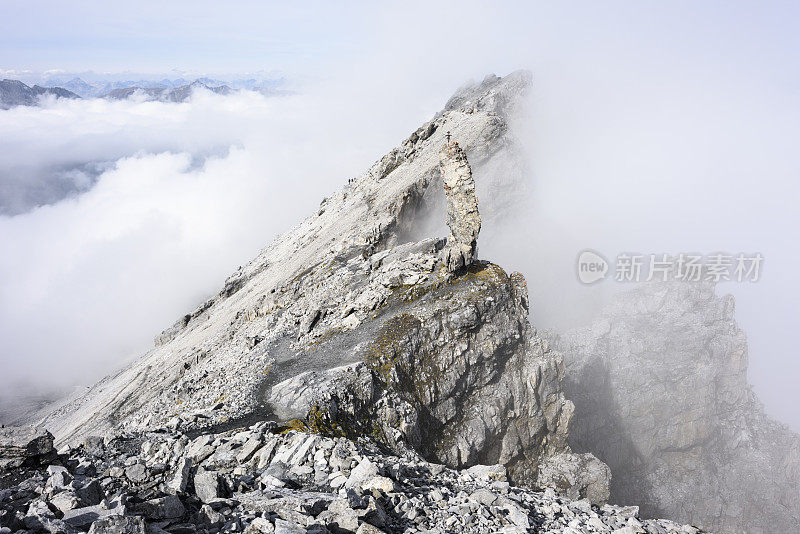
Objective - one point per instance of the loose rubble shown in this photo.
(266, 479)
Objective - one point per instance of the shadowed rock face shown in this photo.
(24, 446)
(463, 218)
(659, 382)
(451, 368)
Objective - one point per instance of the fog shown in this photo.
(649, 129)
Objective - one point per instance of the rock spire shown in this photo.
(463, 217)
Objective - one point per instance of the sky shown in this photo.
(657, 127)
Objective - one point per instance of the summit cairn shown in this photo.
(463, 218)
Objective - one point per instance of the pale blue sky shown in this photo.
(305, 37)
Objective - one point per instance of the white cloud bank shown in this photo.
(86, 282)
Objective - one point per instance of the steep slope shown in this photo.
(347, 325)
(660, 387)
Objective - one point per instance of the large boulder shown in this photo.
(25, 446)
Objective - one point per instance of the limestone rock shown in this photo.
(25, 446)
(463, 218)
(312, 284)
(169, 507)
(389, 493)
(206, 485)
(181, 476)
(119, 525)
(83, 517)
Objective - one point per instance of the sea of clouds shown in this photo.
(181, 195)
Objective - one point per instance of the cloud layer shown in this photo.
(190, 191)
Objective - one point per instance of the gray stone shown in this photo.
(286, 527)
(489, 473)
(484, 496)
(259, 525)
(65, 500)
(180, 478)
(206, 485)
(366, 528)
(463, 218)
(248, 449)
(94, 445)
(119, 525)
(90, 493)
(25, 446)
(379, 483)
(85, 516)
(169, 507)
(59, 478)
(208, 516)
(364, 471)
(39, 517)
(136, 472)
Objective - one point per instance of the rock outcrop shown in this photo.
(660, 387)
(451, 368)
(264, 480)
(463, 218)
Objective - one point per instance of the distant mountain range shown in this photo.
(101, 88)
(178, 94)
(15, 93)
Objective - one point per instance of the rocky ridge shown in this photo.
(659, 381)
(265, 480)
(210, 366)
(357, 331)
(349, 327)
